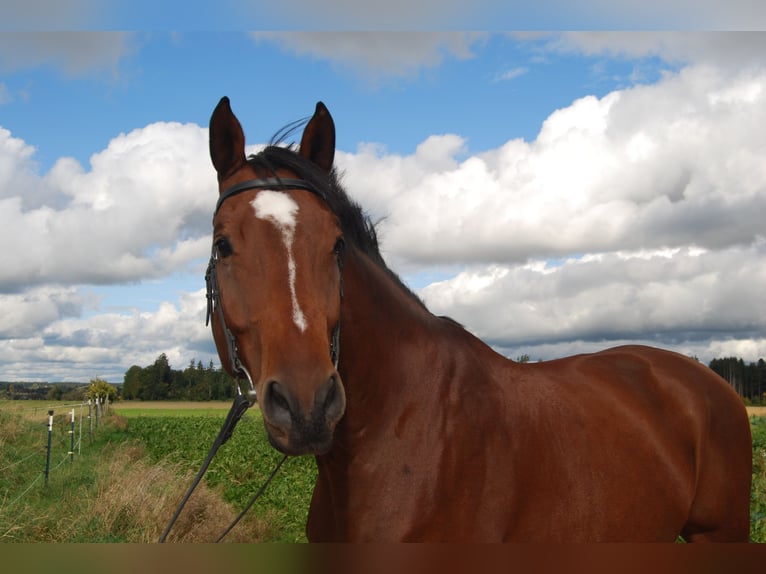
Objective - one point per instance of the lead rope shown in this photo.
(255, 497)
(243, 402)
(236, 411)
(239, 406)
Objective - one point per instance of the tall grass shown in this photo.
(241, 466)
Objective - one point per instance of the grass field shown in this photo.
(241, 466)
(124, 486)
(133, 409)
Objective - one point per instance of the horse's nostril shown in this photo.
(330, 397)
(277, 405)
(279, 401)
(331, 393)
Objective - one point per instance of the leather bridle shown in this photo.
(214, 294)
(243, 402)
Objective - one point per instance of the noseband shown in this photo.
(214, 294)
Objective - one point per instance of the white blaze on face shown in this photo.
(280, 209)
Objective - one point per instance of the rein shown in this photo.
(242, 401)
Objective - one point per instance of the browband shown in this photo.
(265, 183)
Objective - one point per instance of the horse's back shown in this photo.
(632, 443)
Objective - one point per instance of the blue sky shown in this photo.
(554, 192)
(158, 79)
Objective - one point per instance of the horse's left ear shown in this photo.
(318, 141)
(227, 140)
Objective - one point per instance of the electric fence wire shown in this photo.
(29, 487)
(63, 460)
(18, 461)
(47, 407)
(31, 484)
(15, 500)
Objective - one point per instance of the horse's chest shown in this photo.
(413, 495)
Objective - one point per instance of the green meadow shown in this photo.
(125, 479)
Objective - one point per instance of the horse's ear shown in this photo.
(227, 140)
(318, 141)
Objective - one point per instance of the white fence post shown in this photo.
(71, 432)
(79, 443)
(48, 451)
(90, 422)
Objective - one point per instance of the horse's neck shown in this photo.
(402, 370)
(383, 328)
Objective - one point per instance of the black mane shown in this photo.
(358, 229)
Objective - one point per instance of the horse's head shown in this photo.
(275, 281)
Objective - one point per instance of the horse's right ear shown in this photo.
(318, 140)
(227, 140)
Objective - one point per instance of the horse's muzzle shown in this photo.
(294, 429)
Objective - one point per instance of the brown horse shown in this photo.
(421, 431)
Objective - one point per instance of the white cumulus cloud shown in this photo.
(375, 54)
(637, 216)
(142, 209)
(671, 164)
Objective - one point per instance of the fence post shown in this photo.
(79, 442)
(48, 451)
(71, 432)
(90, 423)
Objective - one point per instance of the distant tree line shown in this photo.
(748, 379)
(197, 382)
(37, 391)
(159, 381)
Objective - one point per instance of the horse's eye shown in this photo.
(223, 247)
(340, 246)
